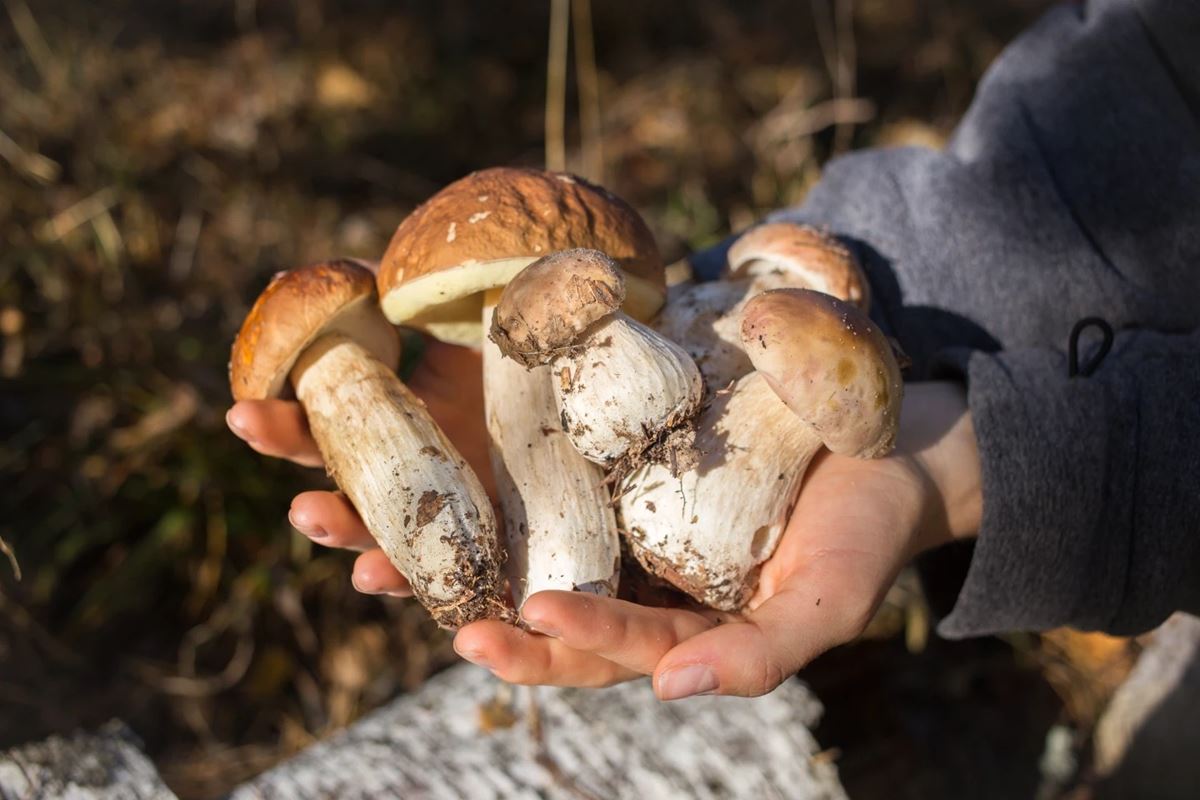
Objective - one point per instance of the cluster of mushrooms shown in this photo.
(680, 421)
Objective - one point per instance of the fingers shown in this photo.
(374, 574)
(274, 428)
(329, 519)
(518, 656)
(813, 611)
(633, 636)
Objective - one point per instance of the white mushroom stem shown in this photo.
(559, 521)
(621, 387)
(710, 529)
(705, 319)
(415, 493)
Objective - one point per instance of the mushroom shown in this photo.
(824, 375)
(441, 273)
(318, 331)
(783, 255)
(706, 317)
(622, 390)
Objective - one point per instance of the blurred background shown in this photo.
(159, 160)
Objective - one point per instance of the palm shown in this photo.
(848, 536)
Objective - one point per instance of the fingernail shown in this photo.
(236, 424)
(543, 627)
(405, 593)
(475, 657)
(676, 684)
(358, 587)
(300, 523)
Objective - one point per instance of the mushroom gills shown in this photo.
(415, 493)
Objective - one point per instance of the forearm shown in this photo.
(938, 439)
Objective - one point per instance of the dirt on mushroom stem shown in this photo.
(430, 516)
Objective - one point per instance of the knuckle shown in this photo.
(857, 616)
(770, 675)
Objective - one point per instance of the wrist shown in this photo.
(936, 432)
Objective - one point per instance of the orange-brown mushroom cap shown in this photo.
(297, 308)
(802, 257)
(480, 231)
(553, 300)
(831, 365)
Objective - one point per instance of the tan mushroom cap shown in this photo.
(831, 365)
(799, 256)
(553, 300)
(297, 308)
(480, 231)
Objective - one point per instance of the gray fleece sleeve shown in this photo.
(1070, 189)
(1091, 487)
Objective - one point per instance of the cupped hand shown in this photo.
(855, 524)
(448, 379)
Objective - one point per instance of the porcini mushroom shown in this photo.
(441, 273)
(318, 330)
(621, 389)
(788, 255)
(824, 375)
(705, 318)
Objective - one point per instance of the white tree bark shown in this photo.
(106, 765)
(587, 743)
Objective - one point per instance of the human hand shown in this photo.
(448, 379)
(855, 524)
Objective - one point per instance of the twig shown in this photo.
(32, 40)
(826, 38)
(72, 217)
(244, 14)
(35, 165)
(789, 124)
(556, 85)
(7, 550)
(835, 35)
(543, 756)
(847, 60)
(183, 249)
(588, 83)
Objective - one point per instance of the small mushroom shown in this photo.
(824, 375)
(318, 330)
(705, 318)
(442, 272)
(622, 389)
(788, 255)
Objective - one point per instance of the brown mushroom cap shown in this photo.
(553, 300)
(831, 365)
(480, 231)
(799, 256)
(295, 309)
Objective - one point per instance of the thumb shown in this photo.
(751, 657)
